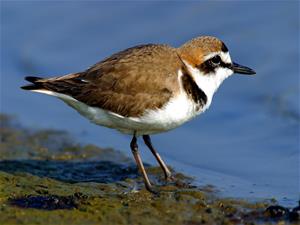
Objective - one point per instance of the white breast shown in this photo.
(174, 113)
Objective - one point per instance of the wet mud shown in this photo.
(48, 178)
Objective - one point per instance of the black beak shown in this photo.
(242, 69)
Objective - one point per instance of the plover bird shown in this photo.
(146, 89)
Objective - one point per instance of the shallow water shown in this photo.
(246, 144)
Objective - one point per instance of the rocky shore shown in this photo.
(48, 178)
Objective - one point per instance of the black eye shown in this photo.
(216, 60)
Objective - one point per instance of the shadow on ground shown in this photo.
(72, 171)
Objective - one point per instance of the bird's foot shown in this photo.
(177, 181)
(153, 189)
(170, 178)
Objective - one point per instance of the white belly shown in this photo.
(177, 111)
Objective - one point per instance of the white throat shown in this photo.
(209, 83)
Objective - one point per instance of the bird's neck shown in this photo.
(208, 83)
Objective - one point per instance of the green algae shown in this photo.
(47, 178)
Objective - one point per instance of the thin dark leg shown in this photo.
(162, 164)
(135, 152)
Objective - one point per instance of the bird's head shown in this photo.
(208, 60)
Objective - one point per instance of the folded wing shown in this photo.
(138, 78)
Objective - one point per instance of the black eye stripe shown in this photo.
(216, 59)
(211, 64)
(225, 65)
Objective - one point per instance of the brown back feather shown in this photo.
(138, 78)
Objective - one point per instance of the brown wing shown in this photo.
(127, 82)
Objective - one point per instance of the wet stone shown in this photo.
(276, 211)
(51, 202)
(295, 213)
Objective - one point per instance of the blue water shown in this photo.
(246, 144)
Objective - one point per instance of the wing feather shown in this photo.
(138, 78)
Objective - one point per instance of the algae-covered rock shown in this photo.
(48, 178)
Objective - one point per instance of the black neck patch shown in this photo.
(206, 67)
(192, 90)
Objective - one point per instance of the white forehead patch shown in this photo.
(225, 57)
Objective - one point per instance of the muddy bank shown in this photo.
(48, 178)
